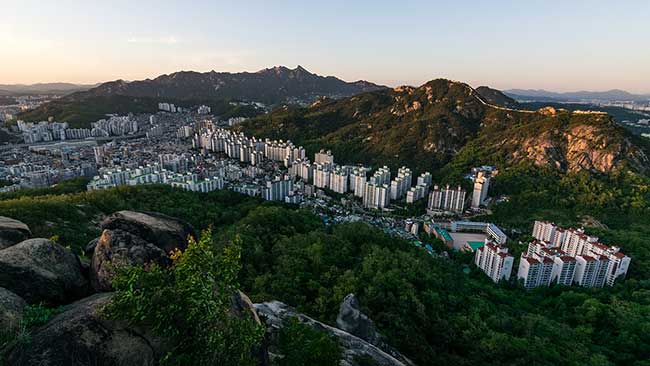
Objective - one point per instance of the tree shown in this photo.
(190, 303)
(301, 345)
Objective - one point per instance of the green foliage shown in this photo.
(74, 216)
(427, 307)
(365, 360)
(74, 185)
(33, 316)
(300, 344)
(38, 315)
(80, 113)
(190, 305)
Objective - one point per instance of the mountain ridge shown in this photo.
(44, 88)
(443, 121)
(274, 85)
(581, 95)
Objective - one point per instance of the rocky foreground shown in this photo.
(41, 271)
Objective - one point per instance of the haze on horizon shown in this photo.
(554, 45)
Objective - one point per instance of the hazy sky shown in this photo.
(557, 45)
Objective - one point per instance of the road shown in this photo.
(95, 139)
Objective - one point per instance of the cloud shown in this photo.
(149, 40)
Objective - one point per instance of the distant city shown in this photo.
(189, 149)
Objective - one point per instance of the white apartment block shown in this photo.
(535, 272)
(495, 261)
(579, 258)
(417, 193)
(381, 176)
(322, 175)
(590, 271)
(277, 189)
(447, 199)
(564, 268)
(339, 180)
(324, 157)
(425, 179)
(401, 184)
(544, 230)
(376, 196)
(358, 178)
(481, 185)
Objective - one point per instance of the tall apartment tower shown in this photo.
(535, 272)
(324, 157)
(495, 261)
(448, 199)
(590, 271)
(481, 185)
(358, 178)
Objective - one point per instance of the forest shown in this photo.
(426, 305)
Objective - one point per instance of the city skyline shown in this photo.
(554, 46)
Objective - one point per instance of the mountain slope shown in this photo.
(428, 126)
(274, 85)
(496, 97)
(271, 86)
(544, 95)
(43, 88)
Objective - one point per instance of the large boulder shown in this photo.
(39, 270)
(353, 321)
(116, 248)
(80, 335)
(275, 314)
(11, 310)
(12, 232)
(134, 238)
(167, 233)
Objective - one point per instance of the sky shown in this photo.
(555, 45)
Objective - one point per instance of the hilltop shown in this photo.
(43, 88)
(443, 122)
(271, 86)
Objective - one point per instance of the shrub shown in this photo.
(301, 344)
(189, 304)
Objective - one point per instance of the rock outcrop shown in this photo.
(353, 321)
(135, 238)
(166, 232)
(81, 336)
(11, 309)
(116, 248)
(39, 270)
(12, 232)
(275, 313)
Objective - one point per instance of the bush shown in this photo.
(300, 344)
(189, 304)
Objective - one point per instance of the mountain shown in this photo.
(271, 86)
(497, 97)
(42, 88)
(445, 122)
(275, 85)
(578, 96)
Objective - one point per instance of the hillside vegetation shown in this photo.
(425, 305)
(80, 113)
(428, 127)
